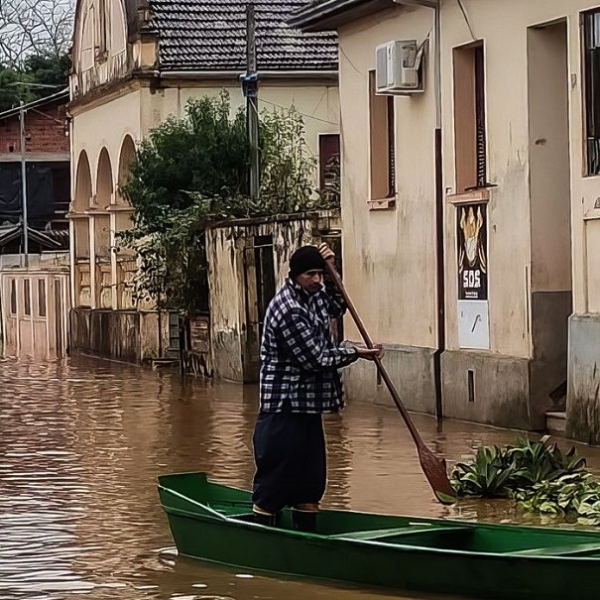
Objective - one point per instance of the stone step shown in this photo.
(556, 422)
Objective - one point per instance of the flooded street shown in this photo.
(82, 443)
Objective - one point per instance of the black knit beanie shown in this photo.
(305, 259)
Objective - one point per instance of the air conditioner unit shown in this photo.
(399, 67)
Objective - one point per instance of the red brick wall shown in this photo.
(45, 127)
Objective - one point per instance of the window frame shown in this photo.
(42, 310)
(388, 148)
(14, 299)
(471, 152)
(27, 297)
(586, 90)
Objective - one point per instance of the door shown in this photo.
(259, 272)
(550, 189)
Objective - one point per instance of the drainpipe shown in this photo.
(436, 5)
(439, 218)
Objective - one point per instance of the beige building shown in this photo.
(476, 260)
(135, 63)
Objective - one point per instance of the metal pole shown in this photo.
(251, 90)
(24, 186)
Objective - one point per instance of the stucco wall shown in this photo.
(134, 111)
(542, 266)
(504, 28)
(383, 237)
(540, 249)
(105, 126)
(389, 256)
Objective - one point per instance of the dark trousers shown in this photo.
(291, 462)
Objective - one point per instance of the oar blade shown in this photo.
(435, 471)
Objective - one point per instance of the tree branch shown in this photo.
(41, 27)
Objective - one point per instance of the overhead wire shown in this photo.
(466, 18)
(351, 63)
(300, 113)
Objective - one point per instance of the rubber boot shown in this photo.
(304, 521)
(264, 518)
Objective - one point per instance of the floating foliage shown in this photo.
(574, 495)
(538, 475)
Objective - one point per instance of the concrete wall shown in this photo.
(129, 336)
(583, 417)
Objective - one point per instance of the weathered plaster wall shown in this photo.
(234, 338)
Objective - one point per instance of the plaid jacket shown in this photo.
(299, 362)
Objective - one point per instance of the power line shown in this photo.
(300, 113)
(466, 18)
(352, 64)
(43, 114)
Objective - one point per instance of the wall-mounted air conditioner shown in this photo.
(399, 67)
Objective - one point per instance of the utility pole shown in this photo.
(23, 141)
(25, 219)
(250, 87)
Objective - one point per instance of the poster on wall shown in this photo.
(473, 306)
(472, 252)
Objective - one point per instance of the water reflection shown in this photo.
(82, 443)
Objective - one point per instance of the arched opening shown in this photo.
(104, 180)
(81, 227)
(83, 184)
(102, 233)
(81, 201)
(126, 266)
(125, 158)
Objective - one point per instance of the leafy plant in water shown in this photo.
(487, 476)
(539, 476)
(498, 472)
(573, 495)
(537, 462)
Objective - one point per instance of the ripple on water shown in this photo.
(83, 442)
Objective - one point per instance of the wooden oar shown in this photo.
(433, 467)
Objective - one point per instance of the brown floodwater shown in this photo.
(83, 441)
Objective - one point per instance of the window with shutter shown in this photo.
(382, 142)
(470, 118)
(329, 156)
(480, 116)
(101, 33)
(87, 41)
(591, 51)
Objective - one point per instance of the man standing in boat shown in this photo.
(299, 381)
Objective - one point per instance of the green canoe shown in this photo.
(211, 522)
